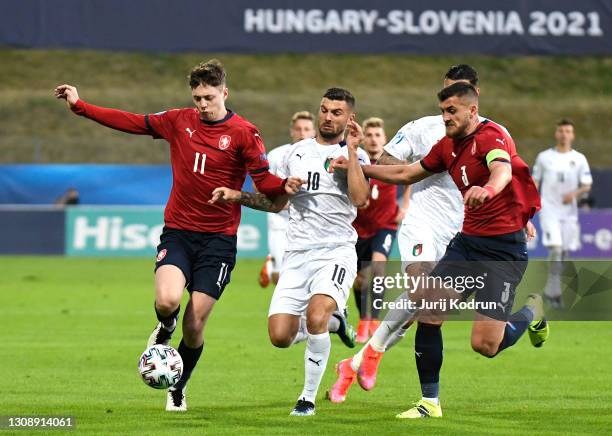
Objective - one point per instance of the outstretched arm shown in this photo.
(113, 118)
(397, 174)
(387, 159)
(253, 200)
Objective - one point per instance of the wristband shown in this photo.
(490, 190)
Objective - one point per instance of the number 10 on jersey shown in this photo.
(199, 163)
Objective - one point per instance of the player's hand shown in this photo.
(475, 197)
(569, 197)
(340, 163)
(293, 184)
(224, 195)
(354, 136)
(530, 230)
(68, 93)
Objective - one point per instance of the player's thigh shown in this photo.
(213, 266)
(291, 292)
(487, 334)
(416, 244)
(570, 233)
(551, 231)
(172, 267)
(333, 272)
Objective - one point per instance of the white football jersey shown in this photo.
(321, 213)
(436, 199)
(557, 174)
(278, 221)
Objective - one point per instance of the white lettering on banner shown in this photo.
(248, 237)
(427, 22)
(82, 231)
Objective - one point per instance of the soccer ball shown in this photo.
(160, 366)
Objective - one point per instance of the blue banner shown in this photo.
(359, 26)
(95, 184)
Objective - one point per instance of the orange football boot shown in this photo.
(266, 272)
(374, 324)
(346, 377)
(366, 375)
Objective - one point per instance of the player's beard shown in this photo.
(330, 134)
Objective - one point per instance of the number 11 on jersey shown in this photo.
(197, 160)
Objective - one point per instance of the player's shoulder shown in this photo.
(423, 124)
(579, 155)
(178, 113)
(240, 123)
(279, 152)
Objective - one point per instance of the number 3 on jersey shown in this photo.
(464, 177)
(196, 163)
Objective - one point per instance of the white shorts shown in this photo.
(418, 243)
(559, 232)
(277, 242)
(328, 271)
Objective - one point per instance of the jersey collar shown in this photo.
(222, 120)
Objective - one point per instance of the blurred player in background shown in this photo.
(320, 262)
(563, 175)
(302, 127)
(210, 146)
(376, 226)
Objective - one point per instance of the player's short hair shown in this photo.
(565, 122)
(301, 115)
(373, 122)
(209, 73)
(458, 89)
(462, 72)
(340, 94)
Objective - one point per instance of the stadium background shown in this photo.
(135, 56)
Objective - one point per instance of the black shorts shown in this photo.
(496, 265)
(206, 259)
(381, 242)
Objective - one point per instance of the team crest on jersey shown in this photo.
(161, 255)
(417, 249)
(572, 163)
(325, 165)
(224, 142)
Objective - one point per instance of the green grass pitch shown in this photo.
(73, 330)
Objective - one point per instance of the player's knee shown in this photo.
(279, 339)
(485, 346)
(316, 320)
(166, 305)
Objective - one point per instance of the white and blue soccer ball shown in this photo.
(160, 366)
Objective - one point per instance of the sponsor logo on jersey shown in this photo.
(417, 249)
(224, 142)
(375, 192)
(161, 255)
(191, 132)
(474, 147)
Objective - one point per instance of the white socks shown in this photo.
(302, 333)
(315, 362)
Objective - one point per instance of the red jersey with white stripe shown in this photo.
(204, 156)
(380, 212)
(465, 160)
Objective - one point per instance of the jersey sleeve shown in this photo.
(401, 145)
(364, 159)
(493, 146)
(537, 169)
(434, 161)
(584, 175)
(256, 161)
(161, 124)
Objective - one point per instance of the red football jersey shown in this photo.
(204, 156)
(465, 160)
(380, 213)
